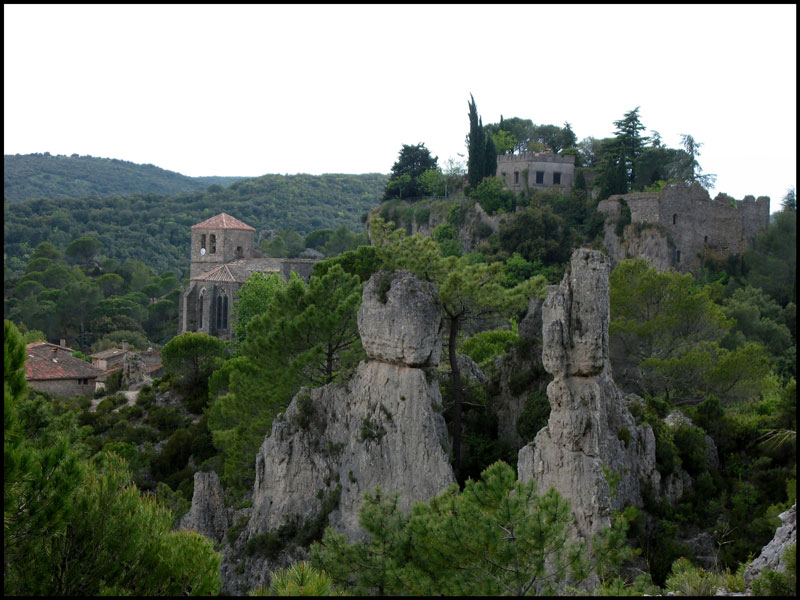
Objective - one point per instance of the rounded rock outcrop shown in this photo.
(400, 319)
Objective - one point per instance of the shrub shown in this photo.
(689, 580)
(534, 416)
(692, 447)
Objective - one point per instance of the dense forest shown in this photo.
(718, 345)
(29, 176)
(155, 229)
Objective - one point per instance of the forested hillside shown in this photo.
(155, 228)
(27, 176)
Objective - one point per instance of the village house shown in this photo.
(52, 369)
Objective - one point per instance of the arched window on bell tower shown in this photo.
(213, 241)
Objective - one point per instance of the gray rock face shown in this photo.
(208, 515)
(134, 371)
(771, 556)
(591, 443)
(400, 320)
(380, 429)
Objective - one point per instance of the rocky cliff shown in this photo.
(592, 450)
(379, 429)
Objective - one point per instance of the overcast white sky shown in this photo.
(250, 90)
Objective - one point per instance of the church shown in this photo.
(223, 256)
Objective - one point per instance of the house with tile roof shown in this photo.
(51, 368)
(223, 256)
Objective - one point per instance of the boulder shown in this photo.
(400, 320)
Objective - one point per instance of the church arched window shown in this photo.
(213, 240)
(222, 311)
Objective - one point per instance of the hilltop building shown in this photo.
(223, 256)
(536, 171)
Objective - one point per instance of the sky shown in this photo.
(247, 90)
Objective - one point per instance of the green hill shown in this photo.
(155, 228)
(27, 176)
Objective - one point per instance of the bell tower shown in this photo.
(219, 240)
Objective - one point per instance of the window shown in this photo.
(705, 239)
(674, 219)
(213, 244)
(516, 177)
(539, 176)
(222, 312)
(556, 178)
(203, 242)
(678, 256)
(238, 250)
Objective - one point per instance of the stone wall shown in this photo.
(64, 387)
(691, 226)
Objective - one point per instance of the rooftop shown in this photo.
(223, 221)
(49, 361)
(108, 353)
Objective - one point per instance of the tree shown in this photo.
(475, 144)
(254, 299)
(191, 358)
(413, 161)
(693, 151)
(789, 202)
(307, 335)
(72, 527)
(497, 537)
(84, 250)
(665, 338)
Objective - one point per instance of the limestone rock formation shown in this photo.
(208, 515)
(134, 371)
(591, 451)
(381, 428)
(400, 319)
(771, 556)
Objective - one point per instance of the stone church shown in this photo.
(223, 256)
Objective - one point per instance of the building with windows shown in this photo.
(223, 256)
(536, 171)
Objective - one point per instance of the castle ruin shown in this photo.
(681, 226)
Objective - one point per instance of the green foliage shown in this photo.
(688, 580)
(534, 416)
(254, 299)
(278, 202)
(409, 178)
(73, 527)
(307, 336)
(484, 347)
(28, 176)
(493, 197)
(491, 539)
(190, 358)
(301, 579)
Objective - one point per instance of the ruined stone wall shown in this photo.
(690, 224)
(64, 387)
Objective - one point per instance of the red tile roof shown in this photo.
(49, 361)
(223, 221)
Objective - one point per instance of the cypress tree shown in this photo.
(476, 145)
